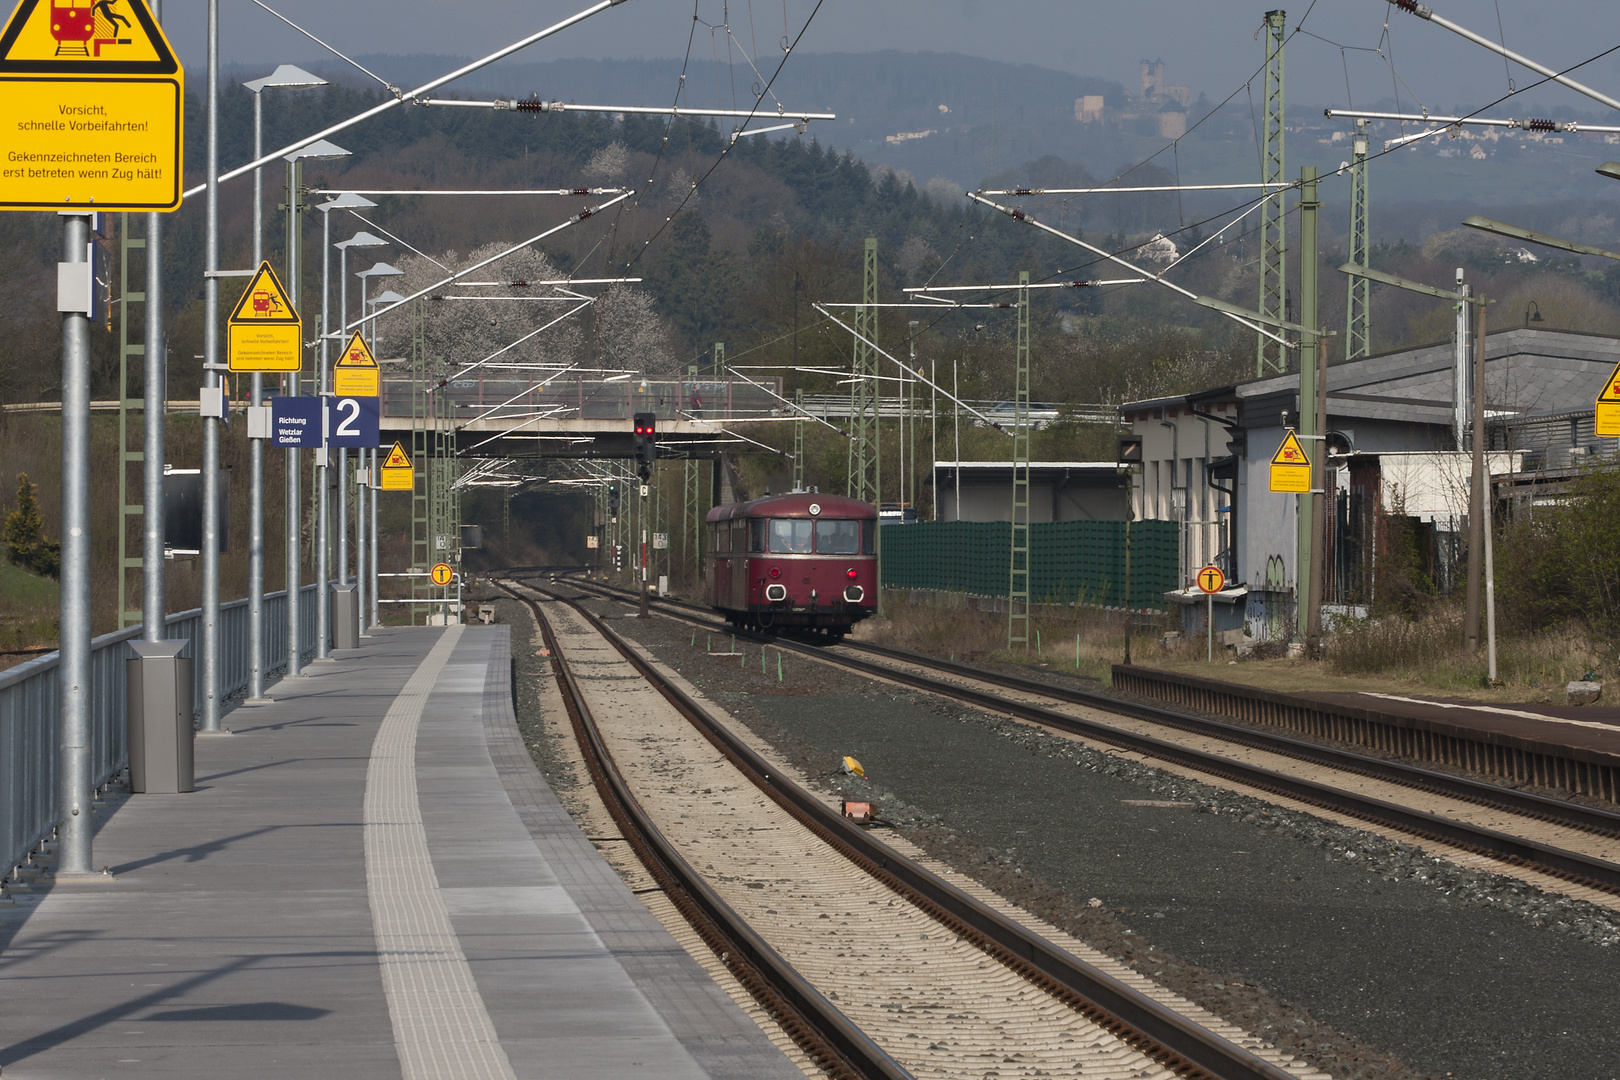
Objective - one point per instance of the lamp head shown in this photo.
(317, 150)
(381, 269)
(362, 239)
(389, 297)
(346, 201)
(284, 76)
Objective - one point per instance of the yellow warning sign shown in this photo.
(91, 94)
(265, 333)
(1290, 468)
(397, 474)
(1211, 579)
(442, 574)
(356, 373)
(1606, 421)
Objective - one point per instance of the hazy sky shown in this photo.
(1207, 44)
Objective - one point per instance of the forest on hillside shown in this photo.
(734, 241)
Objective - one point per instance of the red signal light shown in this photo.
(776, 572)
(851, 573)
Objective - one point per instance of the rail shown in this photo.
(838, 1047)
(30, 701)
(1187, 1048)
(1569, 865)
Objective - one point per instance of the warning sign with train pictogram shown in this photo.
(1606, 418)
(356, 374)
(397, 473)
(92, 98)
(265, 332)
(1290, 468)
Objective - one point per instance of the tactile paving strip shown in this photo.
(442, 1029)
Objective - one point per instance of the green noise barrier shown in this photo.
(1070, 561)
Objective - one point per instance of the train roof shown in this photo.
(796, 505)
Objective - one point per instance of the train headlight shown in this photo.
(852, 573)
(854, 594)
(776, 593)
(776, 572)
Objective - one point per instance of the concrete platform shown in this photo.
(371, 880)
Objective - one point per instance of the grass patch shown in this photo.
(28, 611)
(1081, 640)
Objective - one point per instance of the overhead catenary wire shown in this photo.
(535, 105)
(351, 61)
(411, 95)
(581, 216)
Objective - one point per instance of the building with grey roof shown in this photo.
(1206, 455)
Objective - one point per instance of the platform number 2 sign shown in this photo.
(351, 421)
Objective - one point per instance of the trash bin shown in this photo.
(345, 617)
(161, 735)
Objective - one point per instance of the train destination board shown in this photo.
(91, 95)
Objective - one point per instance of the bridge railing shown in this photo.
(576, 397)
(30, 701)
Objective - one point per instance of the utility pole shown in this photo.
(798, 443)
(1312, 419)
(1270, 357)
(74, 784)
(208, 652)
(1018, 554)
(865, 449)
(1357, 308)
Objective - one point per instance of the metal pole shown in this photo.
(1209, 627)
(933, 431)
(1482, 480)
(210, 704)
(255, 688)
(1311, 404)
(73, 748)
(956, 423)
(343, 453)
(156, 370)
(1475, 501)
(323, 595)
(376, 552)
(295, 661)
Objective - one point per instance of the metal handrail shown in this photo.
(30, 702)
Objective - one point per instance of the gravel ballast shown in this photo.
(1367, 957)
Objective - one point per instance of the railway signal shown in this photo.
(646, 442)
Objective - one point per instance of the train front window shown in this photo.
(868, 537)
(756, 534)
(838, 537)
(790, 536)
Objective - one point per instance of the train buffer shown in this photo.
(372, 856)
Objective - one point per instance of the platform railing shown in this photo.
(30, 701)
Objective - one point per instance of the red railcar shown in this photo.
(804, 561)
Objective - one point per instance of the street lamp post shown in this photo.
(286, 76)
(387, 297)
(323, 596)
(345, 201)
(362, 580)
(295, 161)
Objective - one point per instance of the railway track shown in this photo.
(1034, 701)
(936, 978)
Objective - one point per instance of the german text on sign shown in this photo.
(90, 108)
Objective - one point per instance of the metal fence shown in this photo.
(30, 701)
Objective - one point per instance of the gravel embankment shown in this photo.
(1364, 956)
